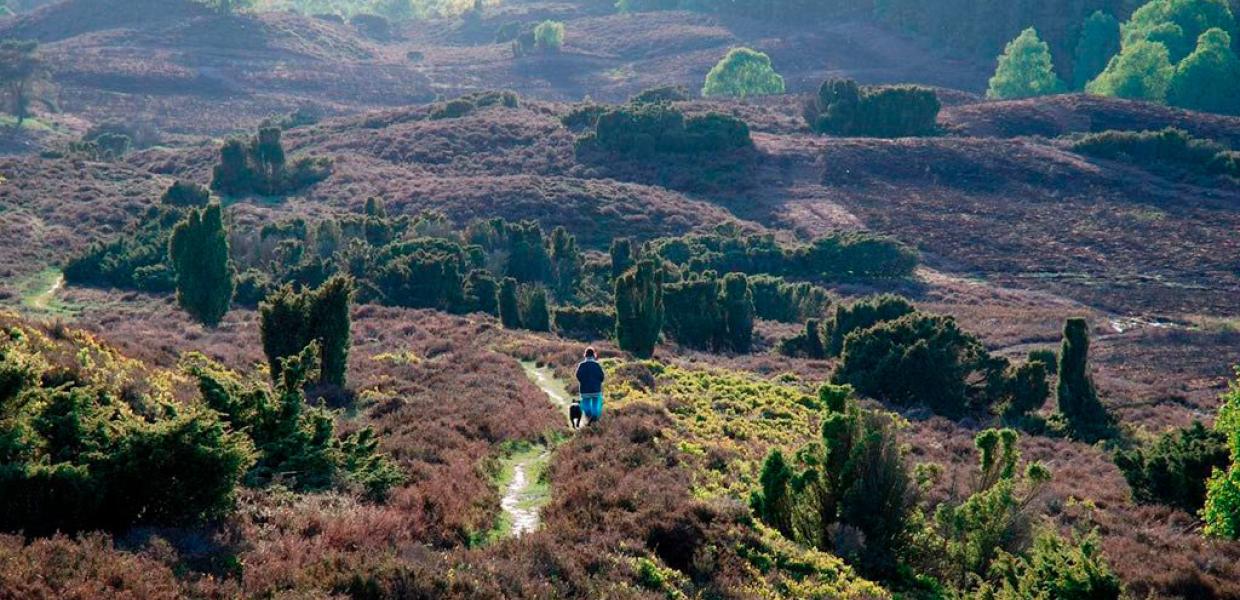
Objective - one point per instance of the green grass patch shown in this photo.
(39, 294)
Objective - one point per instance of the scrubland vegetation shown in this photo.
(866, 335)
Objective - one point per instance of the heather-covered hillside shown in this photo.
(293, 296)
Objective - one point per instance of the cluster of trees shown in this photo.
(853, 255)
(1165, 147)
(546, 37)
(981, 27)
(647, 129)
(890, 351)
(707, 312)
(1175, 51)
(842, 107)
(853, 493)
(742, 73)
(79, 454)
(258, 165)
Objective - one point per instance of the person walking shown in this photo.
(590, 379)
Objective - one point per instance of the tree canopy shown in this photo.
(1025, 69)
(743, 73)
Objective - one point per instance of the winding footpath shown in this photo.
(525, 490)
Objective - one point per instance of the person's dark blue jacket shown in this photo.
(590, 377)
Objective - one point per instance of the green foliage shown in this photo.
(855, 478)
(1177, 24)
(776, 299)
(1174, 469)
(549, 36)
(639, 308)
(75, 456)
(1026, 390)
(1085, 416)
(1209, 78)
(1047, 357)
(185, 194)
(467, 104)
(1099, 41)
(859, 315)
(481, 292)
(644, 130)
(1165, 147)
(971, 535)
(1025, 70)
(1221, 512)
(837, 256)
(693, 316)
(22, 71)
(292, 319)
(586, 323)
(296, 444)
(1056, 569)
(919, 359)
(1141, 71)
(138, 261)
(199, 252)
(535, 313)
(509, 304)
(259, 166)
(773, 504)
(742, 73)
(736, 304)
(622, 257)
(844, 108)
(663, 94)
(567, 264)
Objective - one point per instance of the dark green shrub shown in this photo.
(859, 315)
(587, 323)
(74, 457)
(1174, 469)
(692, 313)
(643, 130)
(252, 287)
(290, 320)
(1048, 357)
(622, 257)
(736, 306)
(1168, 146)
(453, 109)
(259, 166)
(855, 477)
(296, 444)
(1085, 416)
(186, 193)
(858, 255)
(841, 107)
(535, 313)
(1099, 41)
(639, 308)
(775, 299)
(1025, 390)
(916, 359)
(136, 261)
(662, 94)
(567, 264)
(199, 252)
(481, 292)
(509, 305)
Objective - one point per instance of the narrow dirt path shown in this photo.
(522, 475)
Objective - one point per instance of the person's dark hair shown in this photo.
(590, 352)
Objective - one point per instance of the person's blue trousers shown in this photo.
(592, 406)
